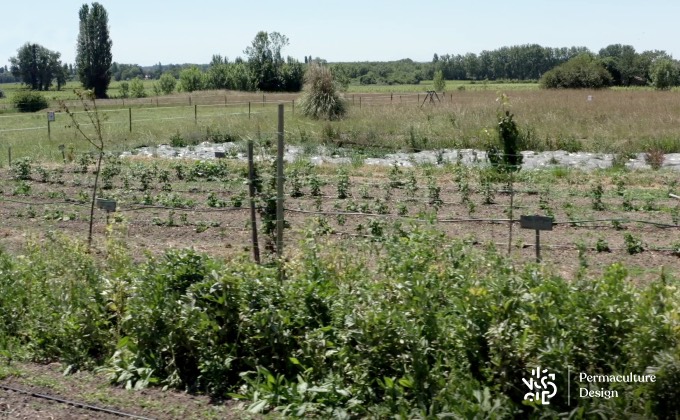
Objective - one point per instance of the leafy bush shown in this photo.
(29, 101)
(510, 159)
(633, 244)
(137, 88)
(191, 79)
(665, 74)
(320, 99)
(442, 329)
(167, 83)
(439, 81)
(665, 391)
(21, 168)
(581, 72)
(124, 89)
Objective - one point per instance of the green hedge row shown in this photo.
(411, 326)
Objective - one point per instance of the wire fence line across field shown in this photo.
(569, 223)
(22, 129)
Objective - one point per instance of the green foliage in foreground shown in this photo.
(410, 326)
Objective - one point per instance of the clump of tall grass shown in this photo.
(320, 99)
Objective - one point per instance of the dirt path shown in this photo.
(93, 389)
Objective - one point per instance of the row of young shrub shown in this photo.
(410, 326)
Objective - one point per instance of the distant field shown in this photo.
(451, 85)
(613, 121)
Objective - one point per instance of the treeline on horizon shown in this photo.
(626, 66)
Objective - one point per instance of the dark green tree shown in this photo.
(292, 75)
(620, 61)
(94, 49)
(264, 58)
(581, 72)
(268, 68)
(36, 66)
(62, 76)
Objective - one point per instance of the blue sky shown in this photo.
(191, 31)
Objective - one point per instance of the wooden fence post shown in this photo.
(512, 203)
(251, 191)
(279, 187)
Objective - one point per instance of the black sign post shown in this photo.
(106, 205)
(537, 223)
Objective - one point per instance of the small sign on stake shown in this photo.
(106, 205)
(50, 119)
(537, 223)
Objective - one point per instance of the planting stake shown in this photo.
(195, 114)
(279, 186)
(251, 192)
(130, 118)
(512, 199)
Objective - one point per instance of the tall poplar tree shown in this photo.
(94, 49)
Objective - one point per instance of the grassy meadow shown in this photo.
(614, 121)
